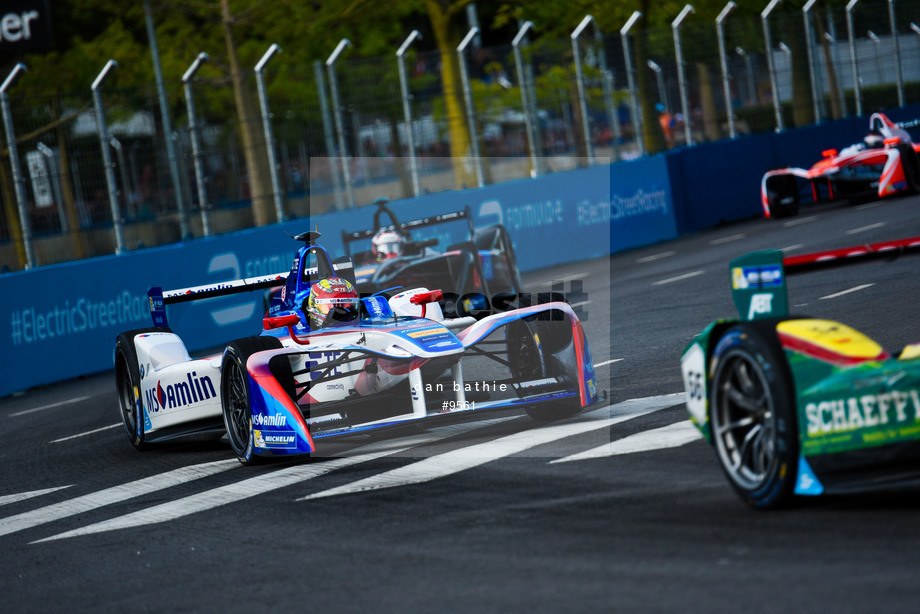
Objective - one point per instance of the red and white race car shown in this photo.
(884, 164)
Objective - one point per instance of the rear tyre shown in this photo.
(752, 414)
(530, 348)
(128, 382)
(234, 394)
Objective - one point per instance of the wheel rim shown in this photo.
(126, 398)
(236, 399)
(744, 420)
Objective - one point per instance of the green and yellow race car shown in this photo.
(802, 406)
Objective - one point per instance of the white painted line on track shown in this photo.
(44, 407)
(22, 496)
(728, 239)
(792, 248)
(869, 206)
(221, 496)
(670, 436)
(678, 278)
(550, 282)
(865, 228)
(469, 457)
(116, 494)
(581, 304)
(265, 483)
(655, 257)
(841, 293)
(608, 362)
(799, 221)
(105, 428)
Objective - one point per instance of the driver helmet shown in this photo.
(387, 244)
(874, 140)
(331, 300)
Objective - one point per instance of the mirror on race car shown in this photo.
(292, 319)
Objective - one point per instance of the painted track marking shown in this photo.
(678, 278)
(842, 292)
(22, 496)
(865, 228)
(655, 257)
(469, 457)
(44, 407)
(476, 454)
(670, 436)
(728, 239)
(112, 495)
(801, 220)
(104, 428)
(261, 484)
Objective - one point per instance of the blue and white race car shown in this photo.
(329, 363)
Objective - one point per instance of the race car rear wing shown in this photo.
(759, 278)
(158, 298)
(403, 228)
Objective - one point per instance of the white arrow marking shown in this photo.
(671, 436)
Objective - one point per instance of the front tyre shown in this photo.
(234, 394)
(531, 347)
(128, 382)
(752, 413)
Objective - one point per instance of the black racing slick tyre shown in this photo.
(234, 393)
(128, 384)
(752, 415)
(531, 347)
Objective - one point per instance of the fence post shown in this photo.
(681, 79)
(768, 48)
(267, 128)
(24, 223)
(102, 129)
(720, 32)
(122, 170)
(468, 97)
(167, 124)
(631, 80)
(853, 63)
(580, 83)
(196, 145)
(897, 53)
(407, 109)
(55, 174)
(806, 16)
(659, 79)
(337, 113)
(525, 98)
(328, 133)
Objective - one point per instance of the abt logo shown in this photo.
(761, 304)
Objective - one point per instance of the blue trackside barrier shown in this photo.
(61, 321)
